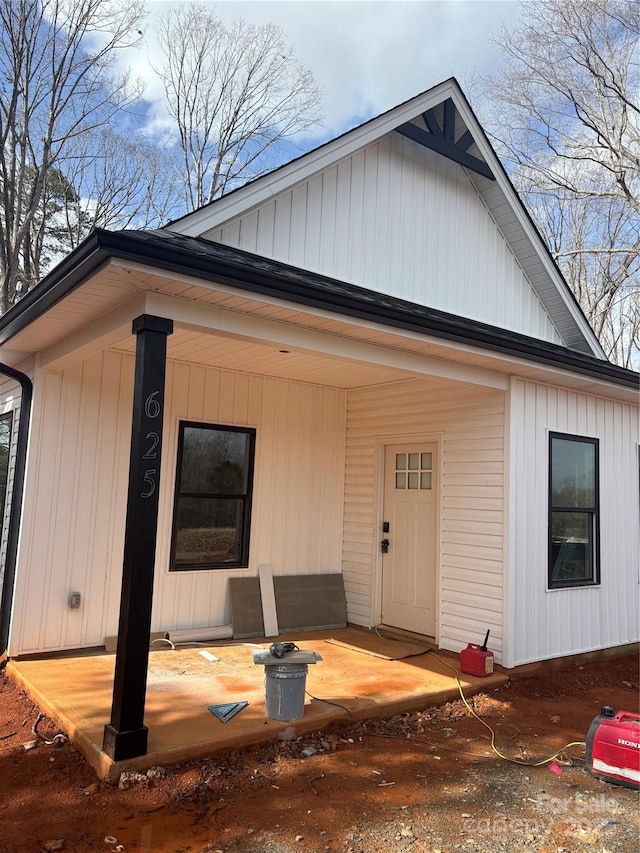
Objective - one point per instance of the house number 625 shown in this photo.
(152, 410)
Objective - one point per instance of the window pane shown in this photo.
(209, 530)
(573, 480)
(401, 461)
(425, 461)
(214, 461)
(425, 480)
(413, 480)
(401, 481)
(572, 546)
(413, 461)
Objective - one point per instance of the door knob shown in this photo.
(385, 546)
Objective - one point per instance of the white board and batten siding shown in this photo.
(75, 503)
(471, 426)
(399, 219)
(546, 624)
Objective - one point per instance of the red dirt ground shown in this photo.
(425, 781)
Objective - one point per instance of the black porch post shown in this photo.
(126, 735)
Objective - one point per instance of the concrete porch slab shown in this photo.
(76, 691)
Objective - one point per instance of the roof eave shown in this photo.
(69, 274)
(253, 273)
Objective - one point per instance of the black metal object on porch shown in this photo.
(126, 735)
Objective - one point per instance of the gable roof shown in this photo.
(443, 120)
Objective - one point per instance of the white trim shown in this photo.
(236, 325)
(508, 534)
(240, 201)
(638, 494)
(269, 612)
(525, 222)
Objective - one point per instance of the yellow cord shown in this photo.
(493, 734)
(487, 726)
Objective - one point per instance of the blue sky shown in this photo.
(367, 56)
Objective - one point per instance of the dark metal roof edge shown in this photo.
(257, 274)
(61, 281)
(253, 273)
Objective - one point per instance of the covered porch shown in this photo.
(362, 675)
(324, 397)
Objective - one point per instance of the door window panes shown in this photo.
(414, 471)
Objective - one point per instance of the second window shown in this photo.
(573, 511)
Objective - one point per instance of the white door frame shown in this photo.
(381, 443)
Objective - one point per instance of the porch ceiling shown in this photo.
(112, 296)
(271, 360)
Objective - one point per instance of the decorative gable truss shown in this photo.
(440, 136)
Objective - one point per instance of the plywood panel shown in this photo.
(246, 607)
(307, 602)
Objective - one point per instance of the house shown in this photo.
(364, 362)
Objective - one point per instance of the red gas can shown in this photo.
(613, 747)
(476, 660)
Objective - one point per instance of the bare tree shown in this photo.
(118, 182)
(565, 116)
(56, 87)
(235, 93)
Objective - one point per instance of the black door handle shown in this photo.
(385, 546)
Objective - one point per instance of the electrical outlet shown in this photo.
(74, 600)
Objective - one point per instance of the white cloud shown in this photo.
(367, 56)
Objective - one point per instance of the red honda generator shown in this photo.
(613, 747)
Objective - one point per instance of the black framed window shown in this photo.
(574, 517)
(6, 422)
(214, 483)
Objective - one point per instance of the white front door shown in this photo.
(409, 537)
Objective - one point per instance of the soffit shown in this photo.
(120, 281)
(225, 353)
(98, 295)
